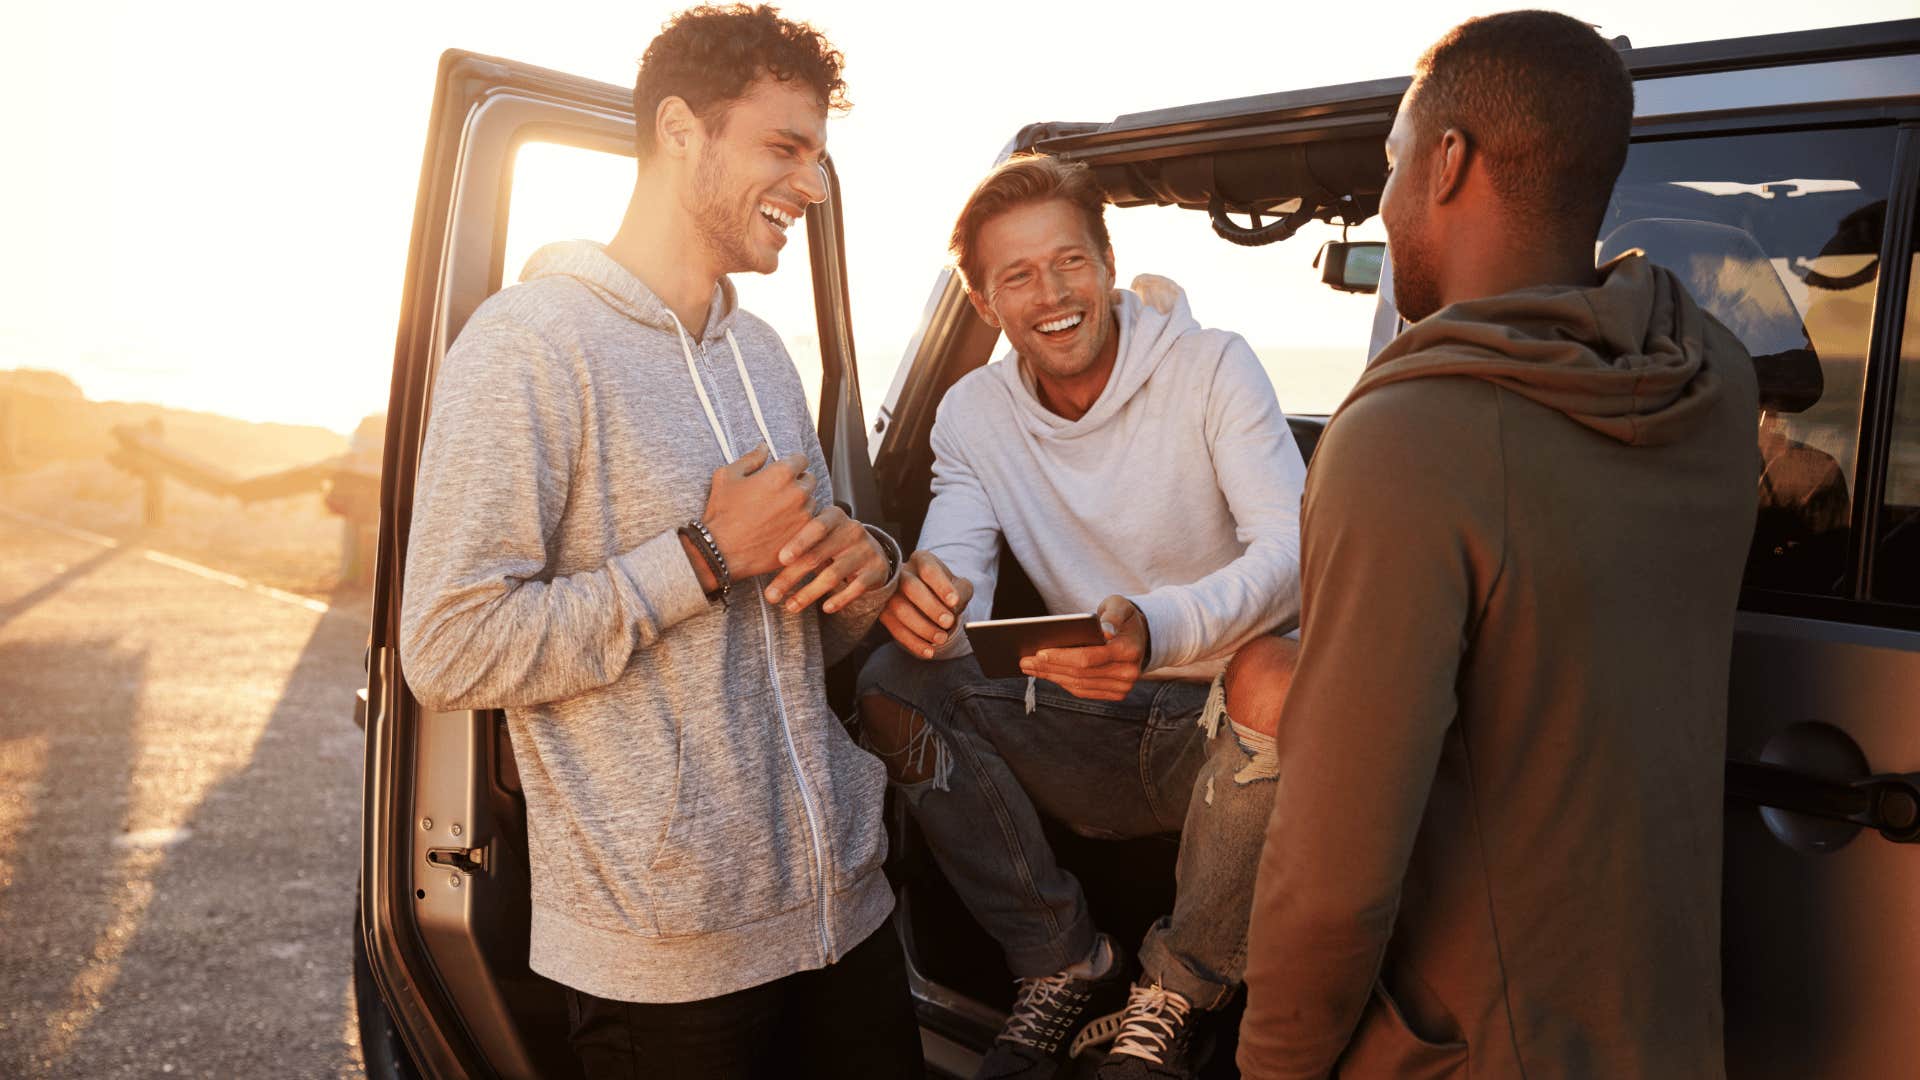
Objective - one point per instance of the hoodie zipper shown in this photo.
(786, 731)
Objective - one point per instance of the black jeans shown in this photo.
(850, 1019)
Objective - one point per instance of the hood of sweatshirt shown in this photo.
(1626, 358)
(588, 263)
(1147, 337)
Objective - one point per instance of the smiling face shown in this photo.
(758, 169)
(1047, 286)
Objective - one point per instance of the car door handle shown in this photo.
(1887, 802)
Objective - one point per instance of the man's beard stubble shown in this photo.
(1416, 292)
(721, 230)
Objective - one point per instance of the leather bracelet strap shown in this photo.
(696, 531)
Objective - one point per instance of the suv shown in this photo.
(1778, 175)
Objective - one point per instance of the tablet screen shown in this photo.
(999, 644)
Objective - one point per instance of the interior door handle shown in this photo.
(1887, 802)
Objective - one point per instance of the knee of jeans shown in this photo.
(887, 666)
(1257, 681)
(900, 736)
(1262, 754)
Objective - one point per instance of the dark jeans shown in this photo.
(1158, 762)
(853, 1018)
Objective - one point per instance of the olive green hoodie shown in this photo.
(1495, 843)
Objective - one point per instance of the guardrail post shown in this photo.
(9, 448)
(153, 506)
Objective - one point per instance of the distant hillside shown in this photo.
(53, 464)
(45, 418)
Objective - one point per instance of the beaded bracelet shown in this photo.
(697, 532)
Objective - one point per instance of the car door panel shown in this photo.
(1818, 939)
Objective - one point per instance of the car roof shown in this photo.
(1254, 150)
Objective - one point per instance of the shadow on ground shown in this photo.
(220, 945)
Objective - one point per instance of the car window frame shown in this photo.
(1854, 603)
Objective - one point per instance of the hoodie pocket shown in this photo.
(860, 835)
(1384, 1045)
(736, 848)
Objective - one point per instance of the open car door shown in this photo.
(444, 881)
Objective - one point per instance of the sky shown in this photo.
(208, 205)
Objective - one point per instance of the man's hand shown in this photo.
(839, 553)
(924, 612)
(1098, 672)
(755, 506)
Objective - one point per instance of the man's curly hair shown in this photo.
(708, 55)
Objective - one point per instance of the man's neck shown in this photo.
(1494, 269)
(665, 251)
(1073, 396)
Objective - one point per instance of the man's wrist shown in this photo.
(696, 535)
(889, 550)
(708, 582)
(1146, 633)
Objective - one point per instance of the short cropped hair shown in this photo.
(1546, 103)
(1018, 181)
(707, 56)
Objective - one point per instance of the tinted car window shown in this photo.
(1778, 236)
(1896, 563)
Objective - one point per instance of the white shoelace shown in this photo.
(1031, 1023)
(1153, 1014)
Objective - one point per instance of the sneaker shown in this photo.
(1153, 1038)
(1047, 1012)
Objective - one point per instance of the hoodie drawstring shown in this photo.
(706, 403)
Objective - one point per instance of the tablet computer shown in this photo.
(999, 644)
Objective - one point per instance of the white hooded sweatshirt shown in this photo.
(1179, 489)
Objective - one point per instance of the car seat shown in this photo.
(1800, 533)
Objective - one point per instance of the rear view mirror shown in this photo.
(1351, 266)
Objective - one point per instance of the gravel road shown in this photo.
(179, 788)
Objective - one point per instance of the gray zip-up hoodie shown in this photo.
(698, 821)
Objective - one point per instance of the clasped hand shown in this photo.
(761, 515)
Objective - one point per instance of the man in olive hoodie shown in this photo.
(1495, 844)
(623, 534)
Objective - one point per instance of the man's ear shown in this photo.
(980, 305)
(1107, 258)
(674, 126)
(1453, 156)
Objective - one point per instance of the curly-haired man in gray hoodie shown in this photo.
(623, 535)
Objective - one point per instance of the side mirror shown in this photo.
(1351, 266)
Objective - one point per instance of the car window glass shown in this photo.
(1310, 337)
(565, 192)
(1778, 236)
(1896, 561)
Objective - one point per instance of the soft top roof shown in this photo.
(1325, 143)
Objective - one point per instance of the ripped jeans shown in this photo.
(977, 769)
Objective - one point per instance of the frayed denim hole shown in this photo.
(905, 745)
